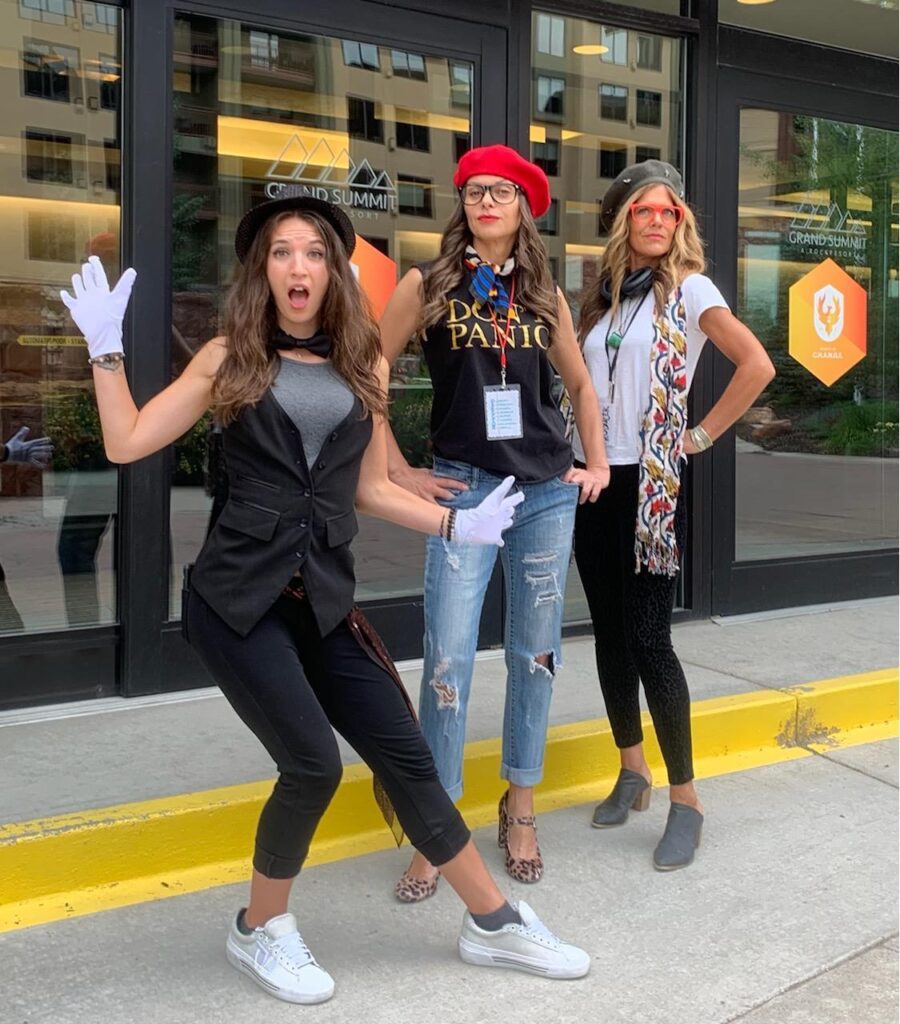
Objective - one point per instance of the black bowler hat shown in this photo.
(254, 219)
(648, 172)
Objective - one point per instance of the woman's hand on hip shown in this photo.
(591, 480)
(425, 484)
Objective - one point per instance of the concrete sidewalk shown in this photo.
(788, 917)
(71, 757)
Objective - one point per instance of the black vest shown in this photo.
(282, 515)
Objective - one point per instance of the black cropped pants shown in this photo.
(632, 617)
(290, 685)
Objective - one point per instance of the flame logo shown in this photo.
(828, 314)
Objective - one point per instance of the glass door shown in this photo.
(370, 121)
(813, 472)
(60, 146)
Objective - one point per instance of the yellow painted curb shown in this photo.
(76, 864)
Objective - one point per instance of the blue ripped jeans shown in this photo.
(535, 562)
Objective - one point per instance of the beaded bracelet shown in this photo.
(447, 528)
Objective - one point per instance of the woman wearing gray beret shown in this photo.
(643, 324)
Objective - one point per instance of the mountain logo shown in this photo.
(825, 217)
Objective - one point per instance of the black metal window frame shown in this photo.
(805, 85)
(151, 648)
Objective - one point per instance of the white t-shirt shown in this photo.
(622, 418)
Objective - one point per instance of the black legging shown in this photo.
(290, 685)
(632, 617)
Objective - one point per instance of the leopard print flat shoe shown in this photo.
(413, 890)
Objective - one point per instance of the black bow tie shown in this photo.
(318, 344)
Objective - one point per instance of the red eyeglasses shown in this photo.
(644, 212)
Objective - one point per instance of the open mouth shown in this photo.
(298, 298)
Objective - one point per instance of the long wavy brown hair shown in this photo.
(685, 256)
(250, 363)
(534, 284)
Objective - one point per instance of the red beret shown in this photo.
(506, 163)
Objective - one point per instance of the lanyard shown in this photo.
(614, 341)
(503, 336)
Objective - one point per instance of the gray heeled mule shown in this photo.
(631, 792)
(680, 839)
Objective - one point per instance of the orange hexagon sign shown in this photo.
(827, 322)
(376, 273)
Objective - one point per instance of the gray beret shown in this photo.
(648, 172)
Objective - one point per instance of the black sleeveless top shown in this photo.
(463, 356)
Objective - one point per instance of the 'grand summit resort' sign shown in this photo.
(819, 230)
(331, 176)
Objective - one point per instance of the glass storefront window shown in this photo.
(611, 97)
(59, 204)
(615, 99)
(375, 128)
(869, 26)
(816, 466)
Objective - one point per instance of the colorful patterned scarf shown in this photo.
(486, 287)
(662, 442)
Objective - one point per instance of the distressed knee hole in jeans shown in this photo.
(544, 662)
(446, 694)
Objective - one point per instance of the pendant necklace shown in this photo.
(613, 343)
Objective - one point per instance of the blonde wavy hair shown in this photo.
(534, 283)
(250, 364)
(685, 256)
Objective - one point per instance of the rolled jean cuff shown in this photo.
(444, 847)
(272, 866)
(522, 776)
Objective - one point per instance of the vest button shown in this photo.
(307, 494)
(304, 523)
(321, 465)
(334, 436)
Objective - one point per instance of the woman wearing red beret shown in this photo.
(493, 329)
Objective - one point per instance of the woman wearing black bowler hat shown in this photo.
(642, 327)
(299, 385)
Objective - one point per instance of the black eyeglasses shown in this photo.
(502, 192)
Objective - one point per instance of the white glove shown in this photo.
(37, 452)
(484, 523)
(96, 310)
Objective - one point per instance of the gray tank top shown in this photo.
(316, 398)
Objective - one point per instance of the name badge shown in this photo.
(503, 412)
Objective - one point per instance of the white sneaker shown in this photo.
(278, 960)
(529, 946)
